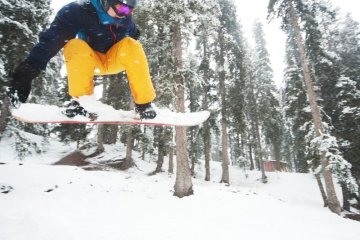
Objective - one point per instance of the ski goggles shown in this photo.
(122, 10)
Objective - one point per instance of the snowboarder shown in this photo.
(99, 37)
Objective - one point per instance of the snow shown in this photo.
(23, 27)
(2, 67)
(64, 202)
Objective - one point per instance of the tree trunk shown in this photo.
(100, 139)
(192, 166)
(129, 162)
(358, 181)
(346, 197)
(171, 159)
(143, 146)
(252, 165)
(110, 83)
(225, 156)
(4, 115)
(258, 135)
(277, 155)
(224, 136)
(207, 150)
(161, 150)
(192, 150)
(258, 140)
(239, 146)
(110, 134)
(205, 106)
(101, 127)
(333, 201)
(322, 190)
(183, 184)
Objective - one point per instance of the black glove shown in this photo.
(136, 35)
(21, 80)
(146, 111)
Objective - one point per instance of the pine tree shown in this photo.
(21, 23)
(205, 35)
(325, 71)
(348, 110)
(152, 18)
(345, 43)
(192, 91)
(253, 96)
(168, 68)
(267, 94)
(295, 102)
(183, 184)
(237, 73)
(290, 11)
(228, 42)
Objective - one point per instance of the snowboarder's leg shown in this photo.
(129, 55)
(81, 62)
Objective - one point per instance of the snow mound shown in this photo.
(65, 202)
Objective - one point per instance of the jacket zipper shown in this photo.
(113, 33)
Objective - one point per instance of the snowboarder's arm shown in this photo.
(64, 27)
(132, 30)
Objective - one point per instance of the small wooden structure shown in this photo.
(273, 165)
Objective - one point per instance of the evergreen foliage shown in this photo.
(346, 46)
(295, 106)
(320, 65)
(20, 24)
(267, 95)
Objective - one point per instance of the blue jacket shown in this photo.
(85, 19)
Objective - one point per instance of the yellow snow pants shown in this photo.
(82, 63)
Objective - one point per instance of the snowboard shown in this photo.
(37, 113)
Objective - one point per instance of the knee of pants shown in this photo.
(76, 47)
(129, 44)
(130, 41)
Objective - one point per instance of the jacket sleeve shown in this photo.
(64, 27)
(132, 30)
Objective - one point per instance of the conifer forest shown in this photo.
(200, 59)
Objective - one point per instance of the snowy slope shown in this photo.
(63, 202)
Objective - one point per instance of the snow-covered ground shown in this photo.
(64, 203)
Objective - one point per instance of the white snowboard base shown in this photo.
(37, 113)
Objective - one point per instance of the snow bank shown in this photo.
(61, 202)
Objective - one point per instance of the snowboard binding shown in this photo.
(73, 109)
(146, 111)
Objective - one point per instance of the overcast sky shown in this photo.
(249, 10)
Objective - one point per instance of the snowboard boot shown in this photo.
(13, 98)
(146, 111)
(73, 109)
